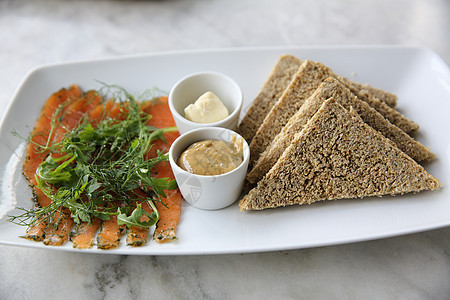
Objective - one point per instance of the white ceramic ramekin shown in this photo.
(191, 87)
(202, 191)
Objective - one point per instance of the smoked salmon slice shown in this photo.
(71, 117)
(75, 112)
(161, 118)
(58, 229)
(170, 208)
(83, 235)
(42, 133)
(109, 235)
(41, 136)
(37, 231)
(138, 236)
(169, 213)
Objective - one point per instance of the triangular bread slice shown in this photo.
(308, 78)
(337, 156)
(276, 83)
(332, 88)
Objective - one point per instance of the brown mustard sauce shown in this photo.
(212, 157)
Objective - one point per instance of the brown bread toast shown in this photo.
(332, 88)
(308, 78)
(336, 156)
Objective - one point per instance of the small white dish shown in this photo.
(209, 192)
(191, 87)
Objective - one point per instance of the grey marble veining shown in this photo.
(415, 266)
(408, 267)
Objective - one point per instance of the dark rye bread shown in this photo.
(278, 80)
(332, 88)
(337, 156)
(308, 78)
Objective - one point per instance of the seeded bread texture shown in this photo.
(278, 80)
(336, 156)
(365, 92)
(332, 88)
(309, 76)
(373, 97)
(303, 84)
(392, 115)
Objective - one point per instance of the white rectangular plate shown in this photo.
(418, 76)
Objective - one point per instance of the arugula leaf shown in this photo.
(135, 218)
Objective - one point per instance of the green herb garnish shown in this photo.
(102, 170)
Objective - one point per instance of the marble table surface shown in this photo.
(415, 266)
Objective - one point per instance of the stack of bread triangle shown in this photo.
(303, 83)
(328, 138)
